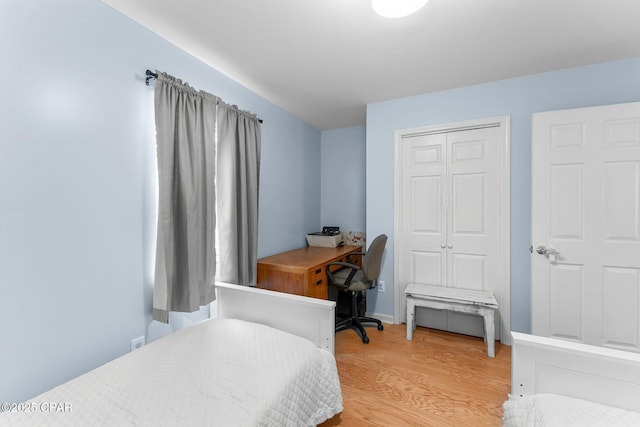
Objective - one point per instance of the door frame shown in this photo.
(504, 122)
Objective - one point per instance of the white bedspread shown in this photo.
(555, 410)
(217, 373)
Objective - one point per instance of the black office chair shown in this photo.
(351, 278)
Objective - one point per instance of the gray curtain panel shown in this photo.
(185, 253)
(238, 176)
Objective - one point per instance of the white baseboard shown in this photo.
(385, 318)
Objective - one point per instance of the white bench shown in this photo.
(468, 301)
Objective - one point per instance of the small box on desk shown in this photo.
(324, 240)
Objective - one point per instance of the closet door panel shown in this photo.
(424, 183)
(473, 260)
(468, 194)
(473, 211)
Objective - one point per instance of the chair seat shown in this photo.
(357, 284)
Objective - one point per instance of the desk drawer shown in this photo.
(317, 285)
(317, 273)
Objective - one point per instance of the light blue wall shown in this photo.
(77, 197)
(606, 83)
(289, 183)
(343, 178)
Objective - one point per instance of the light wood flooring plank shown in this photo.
(437, 379)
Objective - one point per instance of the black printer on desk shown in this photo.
(330, 231)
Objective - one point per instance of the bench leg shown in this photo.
(489, 332)
(411, 317)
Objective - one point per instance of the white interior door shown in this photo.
(585, 263)
(449, 231)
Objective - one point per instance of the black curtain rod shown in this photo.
(151, 75)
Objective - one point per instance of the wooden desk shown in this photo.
(303, 271)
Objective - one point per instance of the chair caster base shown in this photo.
(355, 323)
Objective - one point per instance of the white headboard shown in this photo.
(310, 318)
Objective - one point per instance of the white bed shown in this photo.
(230, 371)
(562, 383)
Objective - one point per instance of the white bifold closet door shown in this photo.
(450, 218)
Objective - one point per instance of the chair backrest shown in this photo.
(373, 258)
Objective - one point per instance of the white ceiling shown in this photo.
(324, 60)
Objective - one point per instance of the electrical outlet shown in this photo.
(137, 343)
(381, 286)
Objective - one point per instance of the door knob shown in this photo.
(543, 250)
(442, 245)
(550, 253)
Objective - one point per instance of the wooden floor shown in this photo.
(437, 379)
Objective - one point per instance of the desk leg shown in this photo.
(411, 317)
(489, 331)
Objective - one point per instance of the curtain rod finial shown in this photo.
(150, 75)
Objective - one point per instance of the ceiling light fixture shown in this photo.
(397, 8)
